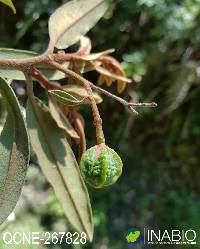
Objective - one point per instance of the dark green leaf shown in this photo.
(14, 153)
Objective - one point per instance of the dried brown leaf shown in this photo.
(107, 73)
(121, 85)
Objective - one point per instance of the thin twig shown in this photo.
(127, 104)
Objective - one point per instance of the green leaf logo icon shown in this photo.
(133, 236)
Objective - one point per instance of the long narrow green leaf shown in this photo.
(80, 93)
(14, 153)
(74, 19)
(65, 98)
(59, 165)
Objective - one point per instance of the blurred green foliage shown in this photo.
(158, 43)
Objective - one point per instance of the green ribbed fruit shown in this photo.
(101, 166)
